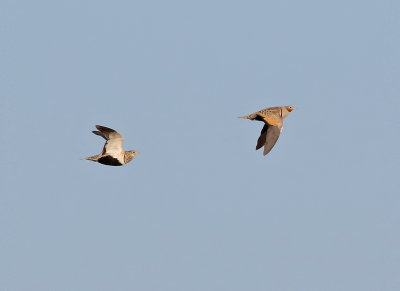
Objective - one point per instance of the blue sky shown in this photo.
(199, 209)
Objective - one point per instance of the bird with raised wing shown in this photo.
(113, 154)
(273, 119)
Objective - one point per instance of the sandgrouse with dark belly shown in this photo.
(273, 119)
(113, 154)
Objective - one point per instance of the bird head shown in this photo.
(129, 155)
(290, 108)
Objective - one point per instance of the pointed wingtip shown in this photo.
(266, 152)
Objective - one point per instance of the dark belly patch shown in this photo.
(110, 161)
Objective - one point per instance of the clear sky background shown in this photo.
(199, 209)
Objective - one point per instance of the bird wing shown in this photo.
(269, 136)
(272, 115)
(114, 141)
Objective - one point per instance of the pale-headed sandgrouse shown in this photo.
(113, 154)
(273, 119)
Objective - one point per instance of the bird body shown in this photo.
(273, 119)
(113, 154)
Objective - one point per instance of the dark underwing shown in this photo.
(109, 160)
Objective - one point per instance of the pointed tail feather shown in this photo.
(92, 158)
(251, 116)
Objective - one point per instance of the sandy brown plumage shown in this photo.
(273, 119)
(113, 154)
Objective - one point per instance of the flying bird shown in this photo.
(273, 119)
(113, 154)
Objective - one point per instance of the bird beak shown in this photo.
(290, 108)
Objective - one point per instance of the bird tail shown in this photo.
(251, 116)
(92, 158)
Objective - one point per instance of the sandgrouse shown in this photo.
(273, 119)
(113, 154)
